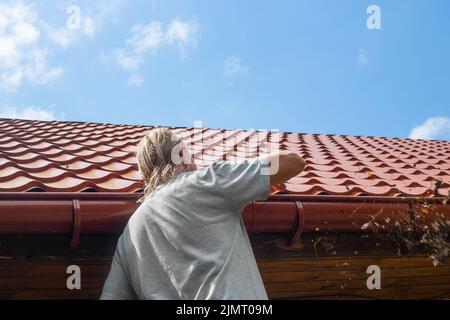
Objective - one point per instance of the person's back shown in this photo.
(187, 239)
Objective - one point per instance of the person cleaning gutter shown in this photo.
(187, 239)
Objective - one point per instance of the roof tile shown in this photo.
(75, 157)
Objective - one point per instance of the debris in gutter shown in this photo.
(423, 229)
(315, 245)
(344, 264)
(437, 239)
(324, 244)
(437, 185)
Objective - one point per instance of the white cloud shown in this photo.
(26, 38)
(135, 80)
(437, 128)
(82, 20)
(89, 26)
(233, 66)
(65, 37)
(146, 39)
(61, 36)
(91, 16)
(37, 71)
(363, 57)
(183, 33)
(102, 11)
(28, 113)
(22, 56)
(127, 60)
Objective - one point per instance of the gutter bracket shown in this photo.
(76, 224)
(300, 224)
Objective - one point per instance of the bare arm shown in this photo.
(284, 165)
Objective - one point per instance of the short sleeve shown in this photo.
(243, 181)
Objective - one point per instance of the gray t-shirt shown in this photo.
(188, 240)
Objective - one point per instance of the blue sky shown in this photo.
(301, 66)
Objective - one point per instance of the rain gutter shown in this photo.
(107, 213)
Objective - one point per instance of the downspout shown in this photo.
(76, 224)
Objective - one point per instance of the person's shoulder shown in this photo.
(141, 211)
(192, 176)
(171, 187)
(235, 164)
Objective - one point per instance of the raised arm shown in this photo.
(284, 165)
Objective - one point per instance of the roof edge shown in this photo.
(75, 214)
(275, 197)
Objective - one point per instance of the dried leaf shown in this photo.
(365, 226)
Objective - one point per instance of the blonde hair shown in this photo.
(154, 158)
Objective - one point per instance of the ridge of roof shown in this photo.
(223, 129)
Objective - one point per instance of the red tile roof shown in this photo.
(76, 157)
